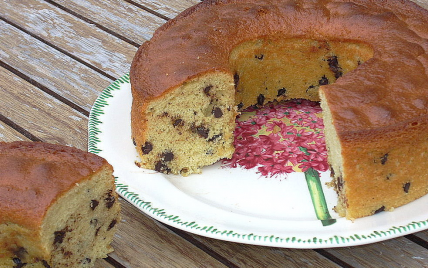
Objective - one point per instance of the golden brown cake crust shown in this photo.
(33, 175)
(394, 93)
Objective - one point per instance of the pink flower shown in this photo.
(264, 141)
(272, 111)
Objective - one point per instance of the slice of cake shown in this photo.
(58, 206)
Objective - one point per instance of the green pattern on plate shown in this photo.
(317, 195)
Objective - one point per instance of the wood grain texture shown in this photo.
(41, 114)
(120, 17)
(50, 68)
(422, 3)
(242, 255)
(155, 245)
(168, 8)
(71, 34)
(399, 252)
(8, 134)
(424, 236)
(103, 264)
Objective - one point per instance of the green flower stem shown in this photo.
(318, 199)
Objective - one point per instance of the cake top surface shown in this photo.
(34, 174)
(387, 90)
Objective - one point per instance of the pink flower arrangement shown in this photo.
(280, 138)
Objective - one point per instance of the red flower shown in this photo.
(278, 147)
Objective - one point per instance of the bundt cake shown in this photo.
(58, 206)
(365, 60)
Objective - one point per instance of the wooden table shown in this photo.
(56, 56)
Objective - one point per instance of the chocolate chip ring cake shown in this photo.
(365, 60)
(58, 206)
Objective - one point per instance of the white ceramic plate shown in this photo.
(234, 204)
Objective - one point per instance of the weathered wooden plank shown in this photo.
(49, 67)
(422, 3)
(103, 264)
(424, 236)
(71, 35)
(243, 255)
(168, 8)
(155, 246)
(172, 8)
(41, 114)
(8, 134)
(119, 16)
(399, 252)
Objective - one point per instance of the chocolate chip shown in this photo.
(86, 261)
(406, 187)
(260, 100)
(236, 80)
(20, 265)
(207, 90)
(259, 57)
(110, 199)
(217, 112)
(96, 231)
(384, 158)
(112, 224)
(21, 253)
(67, 254)
(281, 92)
(18, 262)
(167, 156)
(215, 137)
(133, 142)
(323, 81)
(333, 64)
(59, 237)
(339, 183)
(332, 172)
(162, 167)
(382, 208)
(147, 148)
(94, 204)
(201, 130)
(45, 264)
(178, 122)
(309, 88)
(94, 222)
(240, 105)
(159, 166)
